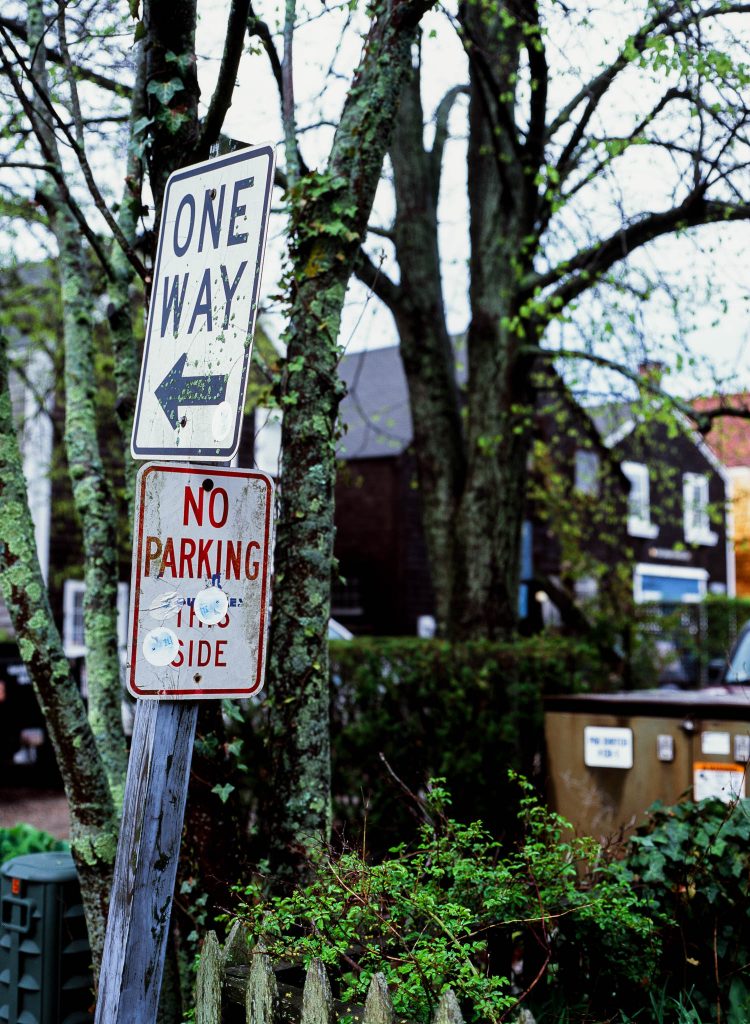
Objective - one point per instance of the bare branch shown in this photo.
(96, 195)
(55, 57)
(230, 61)
(442, 114)
(588, 265)
(375, 278)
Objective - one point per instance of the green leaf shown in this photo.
(165, 91)
(223, 792)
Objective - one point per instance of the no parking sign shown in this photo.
(200, 584)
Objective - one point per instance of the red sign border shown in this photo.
(197, 693)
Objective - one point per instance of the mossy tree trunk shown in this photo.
(329, 215)
(91, 488)
(93, 821)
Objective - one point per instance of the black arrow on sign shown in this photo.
(176, 390)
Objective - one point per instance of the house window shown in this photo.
(639, 501)
(587, 472)
(73, 637)
(695, 510)
(669, 584)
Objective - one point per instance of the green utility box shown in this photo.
(45, 960)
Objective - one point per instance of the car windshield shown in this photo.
(738, 670)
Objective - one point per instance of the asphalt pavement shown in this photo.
(46, 809)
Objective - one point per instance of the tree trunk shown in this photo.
(329, 214)
(92, 814)
(91, 492)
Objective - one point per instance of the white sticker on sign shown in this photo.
(607, 746)
(724, 781)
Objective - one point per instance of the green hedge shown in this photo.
(463, 712)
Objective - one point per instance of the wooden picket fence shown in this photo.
(238, 977)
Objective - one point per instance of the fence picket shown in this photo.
(317, 998)
(378, 1004)
(208, 982)
(448, 1011)
(262, 993)
(236, 949)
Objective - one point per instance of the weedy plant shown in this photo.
(692, 864)
(455, 910)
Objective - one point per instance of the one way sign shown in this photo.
(203, 307)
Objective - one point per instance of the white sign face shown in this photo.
(606, 746)
(203, 307)
(200, 584)
(725, 781)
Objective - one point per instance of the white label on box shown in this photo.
(665, 747)
(742, 747)
(725, 781)
(715, 743)
(606, 746)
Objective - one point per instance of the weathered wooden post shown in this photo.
(201, 547)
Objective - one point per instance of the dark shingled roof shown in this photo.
(375, 412)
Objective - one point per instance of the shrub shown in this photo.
(464, 712)
(454, 911)
(24, 838)
(692, 863)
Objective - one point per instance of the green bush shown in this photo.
(455, 910)
(692, 864)
(464, 712)
(23, 838)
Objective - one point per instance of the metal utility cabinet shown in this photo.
(610, 756)
(45, 959)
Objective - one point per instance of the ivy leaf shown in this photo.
(223, 792)
(164, 91)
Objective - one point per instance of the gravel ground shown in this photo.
(44, 808)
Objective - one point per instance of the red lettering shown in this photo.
(195, 505)
(220, 645)
(153, 550)
(180, 657)
(204, 653)
(167, 561)
(252, 568)
(215, 521)
(234, 553)
(204, 568)
(187, 550)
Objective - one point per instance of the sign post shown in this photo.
(201, 548)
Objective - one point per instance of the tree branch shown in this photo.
(225, 84)
(375, 278)
(80, 155)
(590, 264)
(81, 71)
(442, 114)
(594, 90)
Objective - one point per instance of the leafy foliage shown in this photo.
(466, 712)
(692, 863)
(23, 838)
(454, 910)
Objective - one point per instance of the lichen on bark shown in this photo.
(93, 820)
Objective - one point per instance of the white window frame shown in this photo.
(73, 591)
(696, 521)
(639, 524)
(678, 572)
